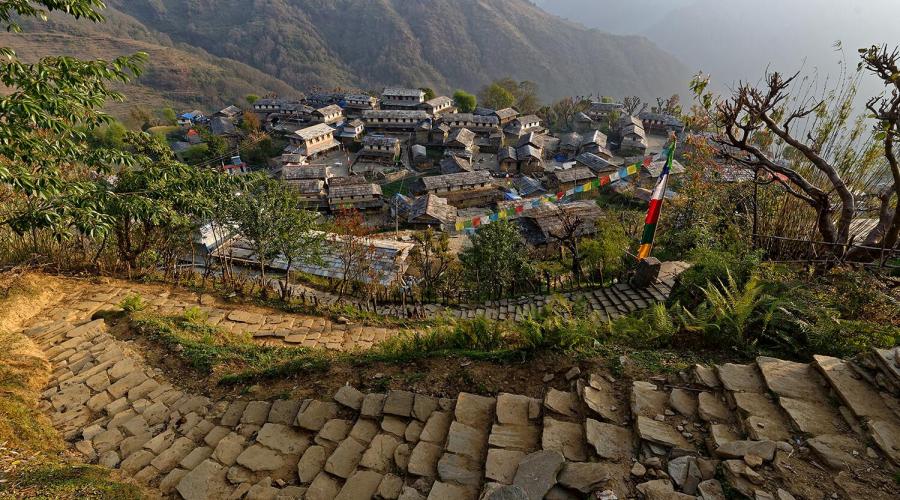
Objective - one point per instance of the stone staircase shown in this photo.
(769, 429)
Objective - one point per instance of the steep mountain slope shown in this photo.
(176, 75)
(614, 16)
(446, 44)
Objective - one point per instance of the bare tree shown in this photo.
(567, 232)
(634, 106)
(795, 140)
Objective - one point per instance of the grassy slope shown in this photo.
(446, 44)
(183, 79)
(29, 445)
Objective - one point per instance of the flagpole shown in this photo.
(651, 224)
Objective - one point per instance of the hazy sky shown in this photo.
(737, 39)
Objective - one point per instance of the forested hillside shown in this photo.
(369, 44)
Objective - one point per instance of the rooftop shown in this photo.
(314, 131)
(456, 180)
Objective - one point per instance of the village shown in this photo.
(409, 161)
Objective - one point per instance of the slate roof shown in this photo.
(574, 174)
(481, 120)
(462, 135)
(314, 131)
(439, 101)
(309, 186)
(432, 206)
(541, 224)
(527, 186)
(394, 114)
(401, 92)
(454, 164)
(222, 126)
(459, 180)
(668, 120)
(506, 113)
(330, 110)
(353, 190)
(532, 138)
(380, 140)
(595, 163)
(306, 172)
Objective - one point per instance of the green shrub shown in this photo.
(650, 328)
(560, 325)
(712, 266)
(133, 303)
(195, 315)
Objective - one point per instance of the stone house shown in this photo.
(482, 125)
(328, 115)
(380, 148)
(660, 124)
(596, 163)
(506, 115)
(461, 140)
(526, 158)
(563, 180)
(357, 103)
(354, 193)
(402, 98)
(438, 106)
(454, 164)
(351, 131)
(315, 140)
(312, 193)
(462, 190)
(542, 227)
(523, 125)
(394, 120)
(431, 210)
(632, 135)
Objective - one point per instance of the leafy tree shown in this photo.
(465, 101)
(561, 115)
(216, 145)
(497, 263)
(634, 105)
(354, 251)
(496, 97)
(670, 106)
(49, 107)
(267, 214)
(169, 116)
(429, 93)
(251, 99)
(604, 254)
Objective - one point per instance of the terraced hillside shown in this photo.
(768, 429)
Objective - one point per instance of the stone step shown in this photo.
(758, 415)
(803, 395)
(866, 403)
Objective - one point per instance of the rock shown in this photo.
(783, 495)
(739, 449)
(283, 439)
(507, 493)
(584, 477)
(683, 402)
(548, 377)
(458, 469)
(705, 375)
(259, 458)
(721, 434)
(229, 448)
(647, 272)
(501, 465)
(836, 450)
(336, 430)
(436, 427)
(512, 409)
(573, 373)
(741, 378)
(311, 463)
(255, 413)
(372, 405)
(638, 470)
(475, 411)
(537, 472)
(567, 438)
(345, 458)
(753, 460)
(314, 416)
(601, 401)
(661, 489)
(390, 487)
(423, 459)
(711, 409)
(423, 407)
(662, 434)
(518, 437)
(563, 403)
(379, 456)
(362, 484)
(414, 431)
(323, 487)
(646, 400)
(109, 459)
(206, 481)
(239, 316)
(711, 490)
(399, 403)
(350, 397)
(401, 456)
(610, 441)
(465, 440)
(394, 425)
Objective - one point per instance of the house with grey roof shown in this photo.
(379, 148)
(563, 180)
(506, 115)
(543, 227)
(402, 98)
(454, 164)
(523, 125)
(483, 125)
(596, 163)
(359, 196)
(328, 115)
(397, 121)
(357, 103)
(660, 123)
(431, 210)
(315, 140)
(438, 106)
(462, 190)
(460, 140)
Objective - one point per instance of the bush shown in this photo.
(560, 325)
(650, 328)
(133, 303)
(712, 266)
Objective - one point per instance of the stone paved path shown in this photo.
(762, 425)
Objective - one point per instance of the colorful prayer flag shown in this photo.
(656, 201)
